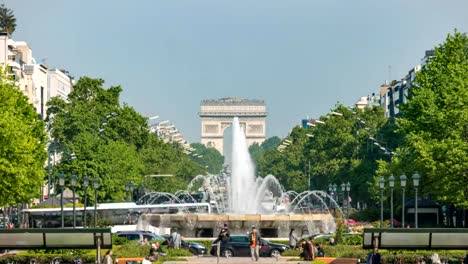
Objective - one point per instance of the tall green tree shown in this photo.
(7, 20)
(257, 150)
(23, 143)
(435, 123)
(211, 159)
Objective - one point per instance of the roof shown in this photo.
(233, 101)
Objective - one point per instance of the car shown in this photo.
(239, 245)
(139, 235)
(194, 248)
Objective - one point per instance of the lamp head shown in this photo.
(96, 183)
(391, 181)
(343, 187)
(348, 187)
(62, 179)
(73, 180)
(416, 178)
(382, 183)
(403, 180)
(85, 181)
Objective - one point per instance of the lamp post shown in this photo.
(85, 185)
(336, 196)
(96, 186)
(416, 184)
(130, 188)
(61, 183)
(343, 189)
(348, 204)
(73, 184)
(381, 186)
(391, 183)
(403, 187)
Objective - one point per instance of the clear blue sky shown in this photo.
(300, 56)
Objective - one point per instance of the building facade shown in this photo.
(36, 81)
(217, 115)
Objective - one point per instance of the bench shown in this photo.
(128, 260)
(330, 260)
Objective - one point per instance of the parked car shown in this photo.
(194, 248)
(239, 245)
(139, 235)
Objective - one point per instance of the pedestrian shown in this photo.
(308, 252)
(144, 242)
(176, 239)
(374, 257)
(292, 239)
(223, 235)
(255, 240)
(320, 250)
(108, 257)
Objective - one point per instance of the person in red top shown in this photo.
(255, 244)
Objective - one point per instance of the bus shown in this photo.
(107, 214)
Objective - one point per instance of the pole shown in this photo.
(347, 211)
(61, 207)
(95, 207)
(308, 173)
(74, 208)
(98, 249)
(381, 208)
(403, 210)
(48, 174)
(391, 206)
(416, 207)
(85, 204)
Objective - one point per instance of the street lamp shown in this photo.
(391, 183)
(130, 188)
(416, 184)
(348, 189)
(381, 186)
(343, 188)
(85, 185)
(61, 183)
(96, 186)
(403, 187)
(73, 184)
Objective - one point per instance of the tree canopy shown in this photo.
(23, 143)
(7, 20)
(211, 159)
(113, 143)
(435, 124)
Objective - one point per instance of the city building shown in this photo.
(368, 101)
(35, 80)
(395, 94)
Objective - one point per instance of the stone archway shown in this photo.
(217, 115)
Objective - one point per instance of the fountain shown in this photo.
(241, 199)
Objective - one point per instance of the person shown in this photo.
(254, 239)
(144, 242)
(108, 257)
(223, 234)
(308, 252)
(175, 239)
(332, 241)
(373, 257)
(292, 239)
(320, 251)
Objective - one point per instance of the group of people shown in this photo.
(254, 240)
(309, 249)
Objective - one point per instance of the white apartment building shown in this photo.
(368, 101)
(36, 81)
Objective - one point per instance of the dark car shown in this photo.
(239, 245)
(193, 247)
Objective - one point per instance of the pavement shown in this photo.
(236, 260)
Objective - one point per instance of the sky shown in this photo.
(300, 56)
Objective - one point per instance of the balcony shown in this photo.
(28, 69)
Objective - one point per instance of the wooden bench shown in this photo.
(125, 260)
(330, 260)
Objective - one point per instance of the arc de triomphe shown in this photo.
(217, 115)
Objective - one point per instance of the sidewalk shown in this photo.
(237, 260)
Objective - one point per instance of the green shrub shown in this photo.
(318, 262)
(206, 243)
(352, 240)
(116, 240)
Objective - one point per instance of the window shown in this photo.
(240, 239)
(149, 237)
(133, 236)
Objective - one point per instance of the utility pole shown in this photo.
(308, 174)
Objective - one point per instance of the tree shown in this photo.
(435, 123)
(113, 143)
(256, 150)
(23, 144)
(7, 20)
(211, 159)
